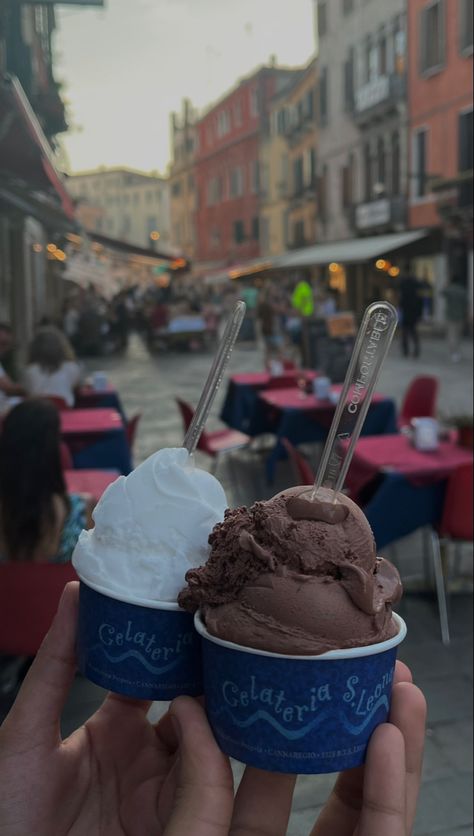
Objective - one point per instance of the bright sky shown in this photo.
(126, 67)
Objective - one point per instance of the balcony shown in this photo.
(385, 212)
(375, 99)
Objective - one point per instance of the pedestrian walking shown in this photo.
(456, 304)
(411, 309)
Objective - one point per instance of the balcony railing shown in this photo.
(378, 95)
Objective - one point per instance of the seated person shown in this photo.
(9, 390)
(39, 521)
(52, 370)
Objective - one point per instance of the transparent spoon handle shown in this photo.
(214, 377)
(371, 347)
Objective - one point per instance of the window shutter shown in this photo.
(422, 41)
(442, 31)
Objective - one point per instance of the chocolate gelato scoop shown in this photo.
(296, 576)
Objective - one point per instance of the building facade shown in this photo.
(34, 205)
(227, 169)
(362, 145)
(182, 185)
(441, 136)
(134, 206)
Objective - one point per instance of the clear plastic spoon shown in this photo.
(214, 377)
(370, 350)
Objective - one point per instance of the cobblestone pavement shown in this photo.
(149, 384)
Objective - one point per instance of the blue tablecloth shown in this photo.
(299, 427)
(241, 409)
(109, 451)
(92, 399)
(399, 507)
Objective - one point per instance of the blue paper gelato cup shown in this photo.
(300, 714)
(146, 650)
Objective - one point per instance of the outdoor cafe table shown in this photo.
(308, 419)
(108, 398)
(403, 487)
(93, 482)
(96, 439)
(241, 409)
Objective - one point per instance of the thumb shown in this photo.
(36, 712)
(204, 794)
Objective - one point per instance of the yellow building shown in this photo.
(288, 167)
(301, 136)
(181, 179)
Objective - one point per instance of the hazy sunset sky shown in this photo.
(126, 67)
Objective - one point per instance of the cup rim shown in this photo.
(347, 653)
(142, 602)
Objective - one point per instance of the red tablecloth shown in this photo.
(292, 399)
(378, 454)
(261, 379)
(93, 482)
(89, 421)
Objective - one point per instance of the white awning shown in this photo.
(353, 251)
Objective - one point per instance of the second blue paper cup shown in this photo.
(297, 714)
(150, 652)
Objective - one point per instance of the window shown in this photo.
(254, 177)
(347, 184)
(349, 81)
(432, 36)
(347, 7)
(254, 103)
(282, 119)
(298, 178)
(419, 162)
(395, 164)
(176, 188)
(465, 141)
(382, 58)
(238, 114)
(215, 189)
(223, 123)
(313, 166)
(381, 168)
(255, 228)
(323, 193)
(157, 197)
(215, 238)
(236, 182)
(239, 232)
(465, 25)
(322, 18)
(299, 234)
(323, 96)
(191, 184)
(367, 172)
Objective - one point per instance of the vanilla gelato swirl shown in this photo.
(150, 528)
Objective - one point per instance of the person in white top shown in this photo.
(52, 370)
(10, 392)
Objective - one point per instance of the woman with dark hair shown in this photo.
(39, 521)
(52, 369)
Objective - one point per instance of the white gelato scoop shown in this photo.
(150, 528)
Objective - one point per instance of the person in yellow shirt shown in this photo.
(302, 298)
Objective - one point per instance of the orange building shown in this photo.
(440, 65)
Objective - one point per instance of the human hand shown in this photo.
(119, 775)
(380, 797)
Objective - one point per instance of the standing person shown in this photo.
(9, 390)
(411, 309)
(270, 324)
(39, 521)
(455, 295)
(249, 295)
(52, 370)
